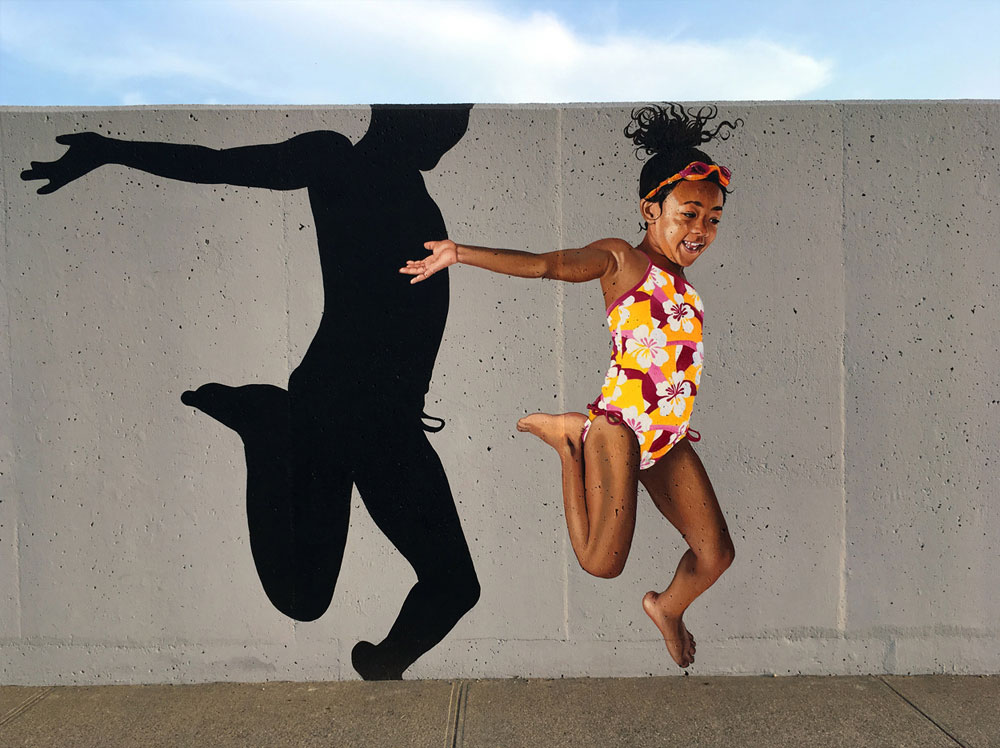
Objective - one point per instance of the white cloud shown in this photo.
(481, 54)
(312, 52)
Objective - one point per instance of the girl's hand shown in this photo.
(86, 153)
(443, 254)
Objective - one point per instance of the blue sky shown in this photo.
(121, 52)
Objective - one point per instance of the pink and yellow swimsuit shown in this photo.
(656, 361)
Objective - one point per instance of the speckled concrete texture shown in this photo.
(922, 217)
(272, 714)
(12, 698)
(848, 408)
(804, 711)
(751, 712)
(964, 706)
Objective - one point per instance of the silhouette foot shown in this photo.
(250, 407)
(562, 432)
(680, 643)
(372, 665)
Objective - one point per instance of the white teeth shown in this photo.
(691, 246)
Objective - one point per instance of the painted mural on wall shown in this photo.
(353, 411)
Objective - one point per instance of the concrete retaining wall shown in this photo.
(849, 408)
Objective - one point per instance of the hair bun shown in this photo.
(658, 129)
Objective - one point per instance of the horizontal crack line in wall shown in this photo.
(806, 634)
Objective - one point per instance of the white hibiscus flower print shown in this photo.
(615, 378)
(638, 422)
(623, 310)
(699, 354)
(697, 302)
(673, 395)
(649, 346)
(645, 461)
(679, 314)
(697, 376)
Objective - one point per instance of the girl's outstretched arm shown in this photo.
(574, 265)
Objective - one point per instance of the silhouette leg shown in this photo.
(298, 491)
(404, 488)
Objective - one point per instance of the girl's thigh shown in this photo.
(611, 482)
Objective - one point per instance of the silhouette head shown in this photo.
(417, 136)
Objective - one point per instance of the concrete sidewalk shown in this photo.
(870, 711)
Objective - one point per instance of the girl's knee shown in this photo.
(605, 566)
(721, 557)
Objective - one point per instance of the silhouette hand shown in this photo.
(85, 154)
(443, 254)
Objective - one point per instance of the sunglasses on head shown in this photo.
(693, 172)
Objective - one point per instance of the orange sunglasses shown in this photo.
(693, 172)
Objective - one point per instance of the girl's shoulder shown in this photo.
(623, 253)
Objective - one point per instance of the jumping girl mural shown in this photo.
(352, 414)
(637, 428)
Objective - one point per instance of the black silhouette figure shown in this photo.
(353, 410)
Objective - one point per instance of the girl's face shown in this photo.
(685, 227)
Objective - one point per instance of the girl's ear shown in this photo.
(650, 211)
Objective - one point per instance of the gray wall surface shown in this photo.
(850, 407)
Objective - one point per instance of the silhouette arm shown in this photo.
(292, 164)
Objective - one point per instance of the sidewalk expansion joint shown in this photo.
(455, 732)
(26, 705)
(921, 712)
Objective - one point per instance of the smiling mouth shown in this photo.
(693, 247)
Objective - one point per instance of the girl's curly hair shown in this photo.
(670, 136)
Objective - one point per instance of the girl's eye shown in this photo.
(688, 215)
(715, 221)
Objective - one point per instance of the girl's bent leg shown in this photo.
(682, 491)
(600, 480)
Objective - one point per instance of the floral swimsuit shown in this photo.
(656, 360)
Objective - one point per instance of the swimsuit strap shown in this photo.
(636, 287)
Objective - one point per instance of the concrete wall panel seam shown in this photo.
(560, 197)
(842, 601)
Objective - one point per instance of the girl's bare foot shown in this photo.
(680, 643)
(561, 432)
